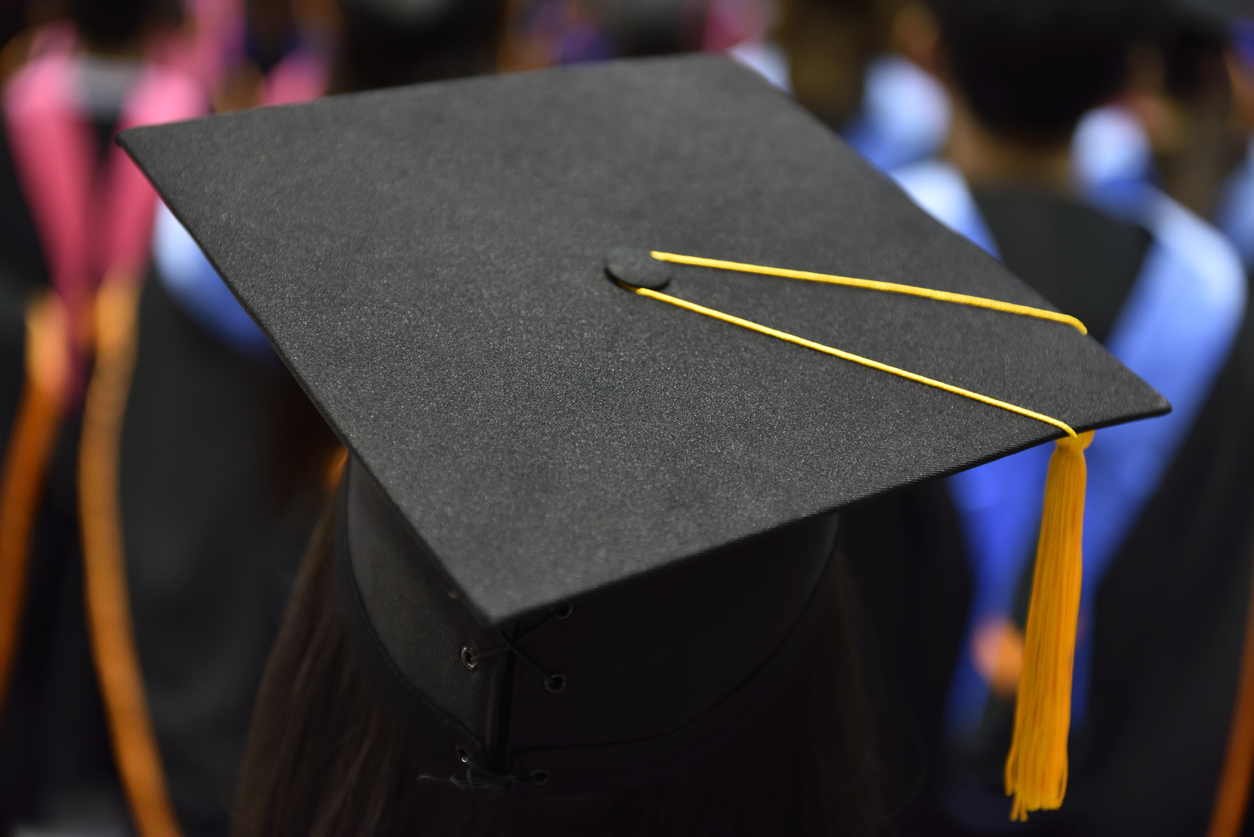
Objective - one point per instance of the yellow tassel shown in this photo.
(1036, 769)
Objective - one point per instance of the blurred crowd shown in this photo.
(162, 471)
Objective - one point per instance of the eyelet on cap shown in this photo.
(538, 777)
(469, 660)
(563, 611)
(463, 755)
(555, 682)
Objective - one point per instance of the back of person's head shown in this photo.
(651, 27)
(829, 44)
(1184, 41)
(845, 8)
(1029, 69)
(389, 42)
(1181, 85)
(115, 24)
(326, 756)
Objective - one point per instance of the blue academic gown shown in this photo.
(1235, 214)
(1175, 329)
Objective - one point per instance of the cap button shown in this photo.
(637, 268)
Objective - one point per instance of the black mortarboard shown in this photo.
(582, 528)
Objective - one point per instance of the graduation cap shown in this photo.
(588, 338)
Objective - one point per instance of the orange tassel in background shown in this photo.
(31, 443)
(108, 601)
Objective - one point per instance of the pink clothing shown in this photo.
(299, 77)
(92, 217)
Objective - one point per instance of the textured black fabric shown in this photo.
(410, 628)
(1080, 259)
(429, 263)
(653, 672)
(212, 546)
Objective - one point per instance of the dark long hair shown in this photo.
(325, 758)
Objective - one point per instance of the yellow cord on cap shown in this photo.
(1036, 768)
(828, 350)
(872, 285)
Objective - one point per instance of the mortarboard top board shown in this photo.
(631, 499)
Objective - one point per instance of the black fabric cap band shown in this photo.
(434, 728)
(409, 634)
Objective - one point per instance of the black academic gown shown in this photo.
(1168, 633)
(22, 272)
(55, 757)
(1169, 616)
(1170, 611)
(221, 469)
(218, 497)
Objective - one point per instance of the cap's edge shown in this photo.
(501, 612)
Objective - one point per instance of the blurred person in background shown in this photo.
(855, 64)
(285, 56)
(652, 27)
(1184, 120)
(1234, 207)
(1168, 536)
(828, 44)
(77, 214)
(1180, 88)
(843, 60)
(17, 274)
(223, 460)
(222, 466)
(1175, 124)
(545, 33)
(383, 43)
